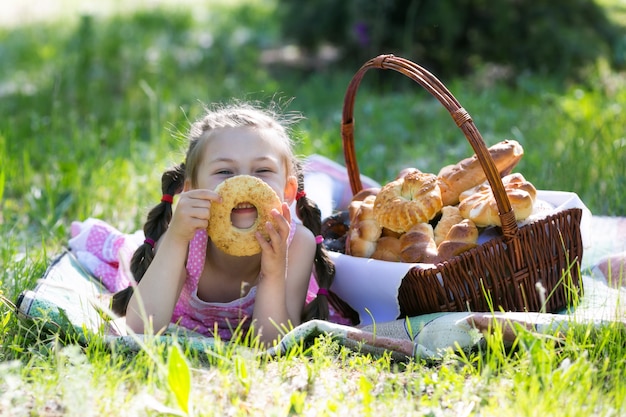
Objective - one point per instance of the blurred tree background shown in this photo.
(90, 99)
(451, 38)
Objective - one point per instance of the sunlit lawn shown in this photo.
(93, 109)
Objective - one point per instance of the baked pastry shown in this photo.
(406, 171)
(388, 249)
(461, 237)
(366, 192)
(418, 244)
(237, 191)
(450, 215)
(364, 229)
(479, 204)
(357, 201)
(414, 198)
(468, 173)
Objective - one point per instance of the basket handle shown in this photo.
(460, 116)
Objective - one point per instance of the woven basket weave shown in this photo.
(502, 273)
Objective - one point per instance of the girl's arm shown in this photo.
(153, 301)
(285, 277)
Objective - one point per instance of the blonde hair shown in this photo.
(234, 116)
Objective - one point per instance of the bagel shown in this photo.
(411, 199)
(234, 192)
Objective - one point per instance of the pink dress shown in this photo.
(208, 318)
(221, 319)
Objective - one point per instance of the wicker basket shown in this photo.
(502, 273)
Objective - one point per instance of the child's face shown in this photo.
(245, 151)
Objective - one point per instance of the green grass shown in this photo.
(92, 110)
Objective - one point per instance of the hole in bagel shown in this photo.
(244, 216)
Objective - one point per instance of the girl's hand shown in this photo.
(192, 213)
(274, 251)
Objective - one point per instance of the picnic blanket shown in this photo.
(72, 296)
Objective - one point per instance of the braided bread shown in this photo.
(479, 203)
(461, 237)
(418, 244)
(468, 173)
(450, 215)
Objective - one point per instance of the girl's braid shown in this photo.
(156, 224)
(310, 215)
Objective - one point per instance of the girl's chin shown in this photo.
(243, 221)
(242, 225)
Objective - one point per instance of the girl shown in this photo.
(221, 292)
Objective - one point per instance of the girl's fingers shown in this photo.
(199, 198)
(201, 213)
(194, 212)
(279, 230)
(274, 234)
(262, 242)
(286, 213)
(271, 246)
(197, 203)
(202, 194)
(197, 220)
(282, 220)
(277, 236)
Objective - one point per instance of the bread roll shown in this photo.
(364, 193)
(355, 206)
(418, 244)
(479, 204)
(460, 238)
(361, 248)
(468, 173)
(388, 249)
(364, 230)
(450, 215)
(406, 171)
(387, 232)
